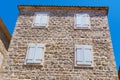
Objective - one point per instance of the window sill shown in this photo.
(84, 28)
(84, 66)
(39, 27)
(23, 79)
(33, 64)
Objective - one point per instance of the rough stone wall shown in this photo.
(4, 44)
(60, 38)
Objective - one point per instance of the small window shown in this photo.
(82, 21)
(35, 53)
(41, 19)
(83, 55)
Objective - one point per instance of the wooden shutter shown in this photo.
(30, 53)
(37, 20)
(87, 55)
(44, 19)
(39, 53)
(80, 56)
(78, 20)
(82, 20)
(86, 20)
(41, 19)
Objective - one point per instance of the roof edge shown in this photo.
(5, 30)
(55, 7)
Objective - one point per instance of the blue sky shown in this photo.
(9, 14)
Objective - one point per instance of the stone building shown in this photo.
(60, 43)
(119, 73)
(4, 43)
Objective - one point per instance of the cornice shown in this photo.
(53, 7)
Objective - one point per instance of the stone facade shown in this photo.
(4, 44)
(60, 38)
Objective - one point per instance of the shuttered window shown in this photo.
(83, 55)
(35, 53)
(82, 20)
(41, 19)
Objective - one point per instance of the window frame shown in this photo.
(75, 27)
(83, 65)
(43, 45)
(35, 13)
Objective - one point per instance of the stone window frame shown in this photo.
(38, 12)
(82, 27)
(82, 65)
(42, 56)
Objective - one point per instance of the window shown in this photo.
(83, 55)
(35, 53)
(82, 21)
(41, 19)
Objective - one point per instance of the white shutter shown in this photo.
(87, 55)
(80, 56)
(39, 54)
(38, 18)
(44, 19)
(78, 20)
(41, 19)
(82, 20)
(30, 53)
(86, 20)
